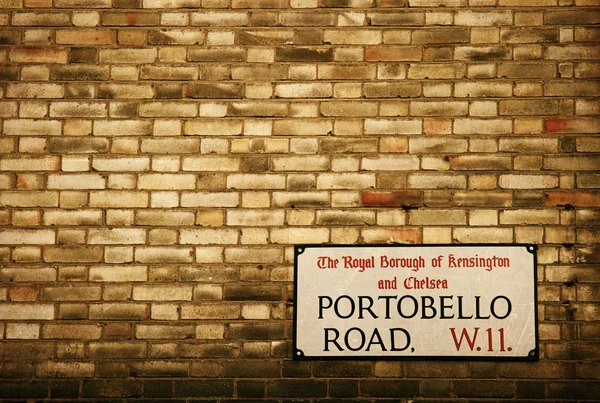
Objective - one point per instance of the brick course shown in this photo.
(159, 158)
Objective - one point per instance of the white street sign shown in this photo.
(422, 301)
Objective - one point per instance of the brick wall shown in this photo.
(159, 158)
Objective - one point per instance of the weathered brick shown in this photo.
(209, 127)
(580, 125)
(78, 145)
(316, 90)
(483, 18)
(73, 332)
(393, 53)
(73, 254)
(27, 311)
(422, 71)
(307, 19)
(483, 89)
(48, 163)
(572, 198)
(163, 255)
(571, 163)
(21, 90)
(142, 191)
(118, 91)
(392, 90)
(131, 19)
(170, 146)
(294, 128)
(214, 90)
(565, 88)
(217, 55)
(444, 108)
(396, 18)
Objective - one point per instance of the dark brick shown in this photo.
(528, 199)
(239, 401)
(112, 369)
(343, 369)
(263, 19)
(169, 91)
(10, 38)
(123, 331)
(483, 369)
(531, 390)
(385, 388)
(343, 389)
(582, 351)
(254, 164)
(308, 37)
(9, 73)
(529, 35)
(123, 110)
(485, 53)
(256, 331)
(436, 388)
(15, 369)
(161, 400)
(296, 369)
(296, 388)
(126, 3)
(158, 388)
(203, 388)
(441, 36)
(26, 350)
(64, 389)
(214, 91)
(589, 331)
(251, 369)
(436, 369)
(251, 389)
(209, 350)
(281, 349)
(83, 55)
(484, 389)
(437, 53)
(112, 388)
(244, 292)
(568, 145)
(159, 369)
(295, 54)
(401, 198)
(23, 389)
(578, 17)
(574, 390)
(77, 145)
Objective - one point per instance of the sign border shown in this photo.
(297, 355)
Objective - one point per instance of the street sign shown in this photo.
(415, 302)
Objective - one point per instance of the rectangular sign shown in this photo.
(415, 301)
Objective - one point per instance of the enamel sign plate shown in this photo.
(421, 301)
